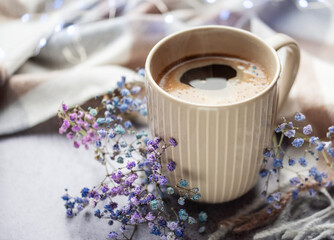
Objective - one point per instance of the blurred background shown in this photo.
(72, 50)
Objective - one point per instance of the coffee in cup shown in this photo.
(213, 80)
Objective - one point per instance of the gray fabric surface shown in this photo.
(37, 165)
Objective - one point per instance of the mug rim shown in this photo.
(149, 77)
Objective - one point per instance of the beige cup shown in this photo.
(219, 146)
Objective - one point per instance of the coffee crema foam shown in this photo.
(247, 81)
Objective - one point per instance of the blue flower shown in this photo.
(120, 130)
(123, 107)
(196, 196)
(155, 231)
(294, 194)
(121, 83)
(264, 173)
(278, 163)
(143, 112)
(314, 140)
(331, 129)
(97, 213)
(141, 72)
(183, 215)
(331, 151)
(290, 133)
(179, 232)
(320, 147)
(277, 196)
(154, 204)
(98, 143)
(93, 112)
(69, 212)
(125, 92)
(127, 124)
(270, 199)
(170, 190)
(84, 192)
(299, 117)
(307, 130)
(302, 161)
(298, 142)
(184, 183)
(181, 201)
(202, 216)
(294, 181)
(191, 220)
(65, 198)
(292, 162)
(201, 229)
(312, 192)
(102, 133)
(128, 101)
(135, 90)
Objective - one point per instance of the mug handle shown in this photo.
(290, 68)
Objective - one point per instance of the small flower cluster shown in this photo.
(273, 159)
(141, 166)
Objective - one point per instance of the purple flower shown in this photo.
(294, 181)
(73, 117)
(171, 166)
(302, 161)
(76, 128)
(104, 188)
(69, 212)
(162, 180)
(65, 125)
(153, 178)
(172, 225)
(150, 217)
(64, 106)
(113, 235)
(151, 157)
(307, 130)
(76, 144)
(277, 196)
(172, 142)
(299, 117)
(130, 165)
(102, 132)
(298, 142)
(290, 133)
(135, 201)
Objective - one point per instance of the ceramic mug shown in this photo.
(220, 147)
